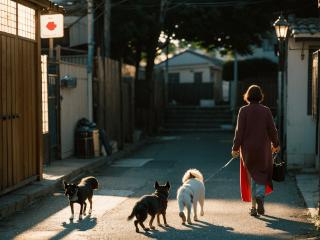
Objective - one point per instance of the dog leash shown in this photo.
(220, 169)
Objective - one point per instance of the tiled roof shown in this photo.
(304, 27)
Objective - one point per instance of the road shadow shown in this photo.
(286, 225)
(201, 229)
(85, 224)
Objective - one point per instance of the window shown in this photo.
(45, 121)
(197, 77)
(174, 78)
(8, 16)
(26, 22)
(17, 19)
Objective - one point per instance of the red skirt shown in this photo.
(245, 184)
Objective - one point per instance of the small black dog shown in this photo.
(80, 193)
(154, 204)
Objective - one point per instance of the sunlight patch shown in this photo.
(103, 201)
(132, 162)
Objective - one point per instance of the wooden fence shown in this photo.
(190, 93)
(113, 95)
(142, 105)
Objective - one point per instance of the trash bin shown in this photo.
(84, 142)
(87, 143)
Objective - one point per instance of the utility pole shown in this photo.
(107, 16)
(234, 95)
(90, 57)
(51, 49)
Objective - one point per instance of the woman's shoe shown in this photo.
(253, 212)
(260, 205)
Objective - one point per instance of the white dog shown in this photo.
(190, 193)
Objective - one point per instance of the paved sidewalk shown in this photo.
(308, 184)
(53, 175)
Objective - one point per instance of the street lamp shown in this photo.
(281, 27)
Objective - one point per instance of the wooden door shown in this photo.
(18, 105)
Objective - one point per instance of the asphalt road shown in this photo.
(166, 159)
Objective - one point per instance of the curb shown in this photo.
(25, 196)
(308, 187)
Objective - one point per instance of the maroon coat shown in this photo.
(253, 136)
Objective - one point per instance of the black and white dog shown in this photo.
(80, 193)
(190, 193)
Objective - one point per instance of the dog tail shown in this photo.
(92, 181)
(192, 173)
(131, 215)
(140, 211)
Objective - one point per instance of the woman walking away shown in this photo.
(255, 139)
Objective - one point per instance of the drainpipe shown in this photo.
(90, 58)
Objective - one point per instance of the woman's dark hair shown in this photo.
(253, 94)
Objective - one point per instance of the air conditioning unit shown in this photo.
(68, 82)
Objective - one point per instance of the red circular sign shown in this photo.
(51, 26)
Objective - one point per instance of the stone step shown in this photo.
(195, 117)
(197, 107)
(197, 111)
(190, 117)
(188, 130)
(191, 125)
(199, 120)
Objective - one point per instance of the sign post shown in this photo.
(51, 27)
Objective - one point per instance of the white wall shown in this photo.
(301, 128)
(73, 105)
(187, 73)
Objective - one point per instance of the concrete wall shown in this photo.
(209, 74)
(73, 105)
(301, 128)
(78, 32)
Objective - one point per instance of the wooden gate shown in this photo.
(20, 125)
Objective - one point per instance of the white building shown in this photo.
(300, 127)
(193, 77)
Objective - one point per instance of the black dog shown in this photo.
(80, 193)
(154, 204)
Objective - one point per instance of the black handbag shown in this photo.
(279, 168)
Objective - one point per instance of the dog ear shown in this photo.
(65, 184)
(168, 185)
(156, 185)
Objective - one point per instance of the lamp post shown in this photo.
(281, 27)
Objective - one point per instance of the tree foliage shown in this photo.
(233, 27)
(230, 25)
